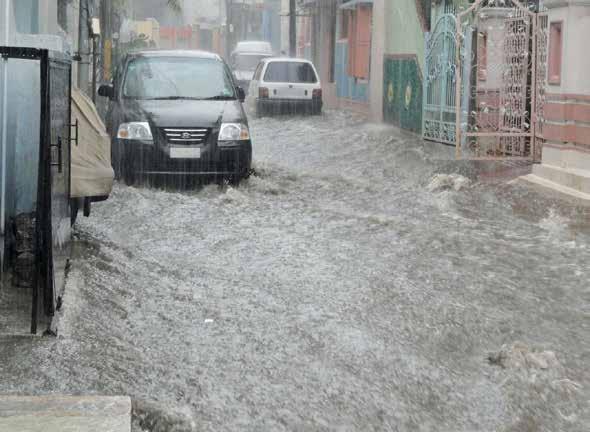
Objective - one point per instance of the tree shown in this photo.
(175, 5)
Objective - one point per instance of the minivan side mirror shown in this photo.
(107, 90)
(241, 94)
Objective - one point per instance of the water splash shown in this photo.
(445, 182)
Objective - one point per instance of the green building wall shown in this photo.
(402, 98)
(403, 64)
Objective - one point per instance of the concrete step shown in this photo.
(65, 414)
(572, 178)
(555, 187)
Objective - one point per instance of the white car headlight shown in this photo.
(135, 131)
(234, 132)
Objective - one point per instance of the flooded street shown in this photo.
(361, 280)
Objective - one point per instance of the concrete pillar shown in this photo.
(377, 53)
(6, 27)
(6, 21)
(48, 17)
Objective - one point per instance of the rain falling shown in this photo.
(320, 215)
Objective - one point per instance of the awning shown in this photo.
(352, 4)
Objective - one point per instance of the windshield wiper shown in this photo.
(220, 97)
(175, 98)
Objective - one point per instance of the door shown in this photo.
(58, 223)
(498, 115)
(438, 120)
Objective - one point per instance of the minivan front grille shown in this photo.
(185, 136)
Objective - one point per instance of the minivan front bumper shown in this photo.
(148, 159)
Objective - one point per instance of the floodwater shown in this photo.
(361, 281)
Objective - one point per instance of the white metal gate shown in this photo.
(500, 80)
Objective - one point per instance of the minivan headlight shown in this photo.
(234, 132)
(135, 131)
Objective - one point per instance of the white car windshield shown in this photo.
(246, 62)
(254, 46)
(177, 77)
(292, 72)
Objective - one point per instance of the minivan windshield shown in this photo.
(246, 62)
(292, 72)
(177, 78)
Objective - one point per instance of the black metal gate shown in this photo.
(50, 222)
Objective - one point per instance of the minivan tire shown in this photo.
(74, 209)
(128, 174)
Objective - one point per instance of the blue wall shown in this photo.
(347, 86)
(271, 24)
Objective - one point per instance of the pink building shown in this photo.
(185, 37)
(566, 128)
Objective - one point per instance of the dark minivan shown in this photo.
(177, 113)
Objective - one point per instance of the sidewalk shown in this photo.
(65, 414)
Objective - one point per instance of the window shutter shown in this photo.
(363, 42)
(352, 40)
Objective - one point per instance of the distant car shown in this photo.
(177, 113)
(285, 85)
(246, 57)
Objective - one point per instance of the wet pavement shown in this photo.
(361, 280)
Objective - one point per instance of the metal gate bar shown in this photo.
(498, 113)
(438, 119)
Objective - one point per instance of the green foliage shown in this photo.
(175, 5)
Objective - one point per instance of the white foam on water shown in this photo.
(444, 182)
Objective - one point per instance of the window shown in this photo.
(555, 49)
(482, 56)
(292, 72)
(359, 42)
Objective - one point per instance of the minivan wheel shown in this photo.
(74, 208)
(128, 174)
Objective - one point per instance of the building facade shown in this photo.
(406, 22)
(566, 111)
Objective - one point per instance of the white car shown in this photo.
(246, 57)
(282, 84)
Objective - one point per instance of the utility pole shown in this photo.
(83, 48)
(106, 29)
(292, 28)
(228, 28)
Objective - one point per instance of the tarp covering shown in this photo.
(92, 172)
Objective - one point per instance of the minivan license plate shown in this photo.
(185, 153)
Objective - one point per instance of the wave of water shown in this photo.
(358, 281)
